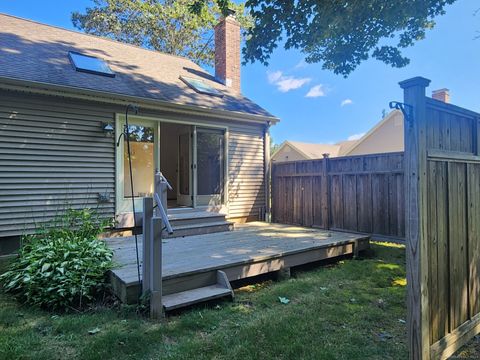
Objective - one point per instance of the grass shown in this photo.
(354, 309)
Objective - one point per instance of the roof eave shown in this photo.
(298, 150)
(116, 98)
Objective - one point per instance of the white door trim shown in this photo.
(119, 177)
(122, 205)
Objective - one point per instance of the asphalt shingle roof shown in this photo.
(316, 151)
(31, 51)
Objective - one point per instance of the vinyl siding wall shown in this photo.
(246, 186)
(54, 153)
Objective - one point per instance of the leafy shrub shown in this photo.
(63, 265)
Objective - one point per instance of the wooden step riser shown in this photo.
(197, 221)
(195, 296)
(201, 230)
(129, 293)
(189, 282)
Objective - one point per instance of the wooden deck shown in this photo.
(251, 249)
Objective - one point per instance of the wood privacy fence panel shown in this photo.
(356, 193)
(443, 224)
(453, 232)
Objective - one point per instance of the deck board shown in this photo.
(248, 244)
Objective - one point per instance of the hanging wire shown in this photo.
(202, 51)
(127, 137)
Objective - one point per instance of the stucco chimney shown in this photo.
(442, 95)
(227, 52)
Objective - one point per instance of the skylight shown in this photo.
(90, 64)
(200, 86)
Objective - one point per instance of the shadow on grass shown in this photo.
(350, 309)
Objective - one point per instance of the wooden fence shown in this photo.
(430, 196)
(442, 163)
(355, 193)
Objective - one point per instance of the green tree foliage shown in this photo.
(168, 26)
(274, 147)
(339, 34)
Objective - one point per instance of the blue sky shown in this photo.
(449, 56)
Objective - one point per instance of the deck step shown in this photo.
(207, 293)
(195, 296)
(200, 229)
(191, 218)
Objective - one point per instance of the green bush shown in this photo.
(63, 265)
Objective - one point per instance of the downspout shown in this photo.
(267, 172)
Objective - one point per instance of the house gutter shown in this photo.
(43, 88)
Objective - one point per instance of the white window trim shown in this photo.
(119, 171)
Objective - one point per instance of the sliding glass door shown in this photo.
(210, 167)
(184, 167)
(191, 157)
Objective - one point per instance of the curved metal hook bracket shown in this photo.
(125, 131)
(406, 109)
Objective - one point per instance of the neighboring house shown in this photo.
(385, 137)
(62, 93)
(294, 150)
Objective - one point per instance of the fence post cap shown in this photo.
(415, 81)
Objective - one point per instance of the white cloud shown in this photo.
(273, 77)
(346, 102)
(316, 91)
(291, 83)
(301, 64)
(356, 136)
(286, 83)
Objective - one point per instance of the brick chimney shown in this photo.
(442, 95)
(227, 52)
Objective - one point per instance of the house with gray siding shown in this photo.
(64, 98)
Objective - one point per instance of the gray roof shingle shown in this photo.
(31, 51)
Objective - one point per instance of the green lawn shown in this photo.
(352, 310)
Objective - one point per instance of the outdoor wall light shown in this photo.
(107, 128)
(103, 197)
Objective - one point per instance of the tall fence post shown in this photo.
(146, 243)
(418, 313)
(325, 192)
